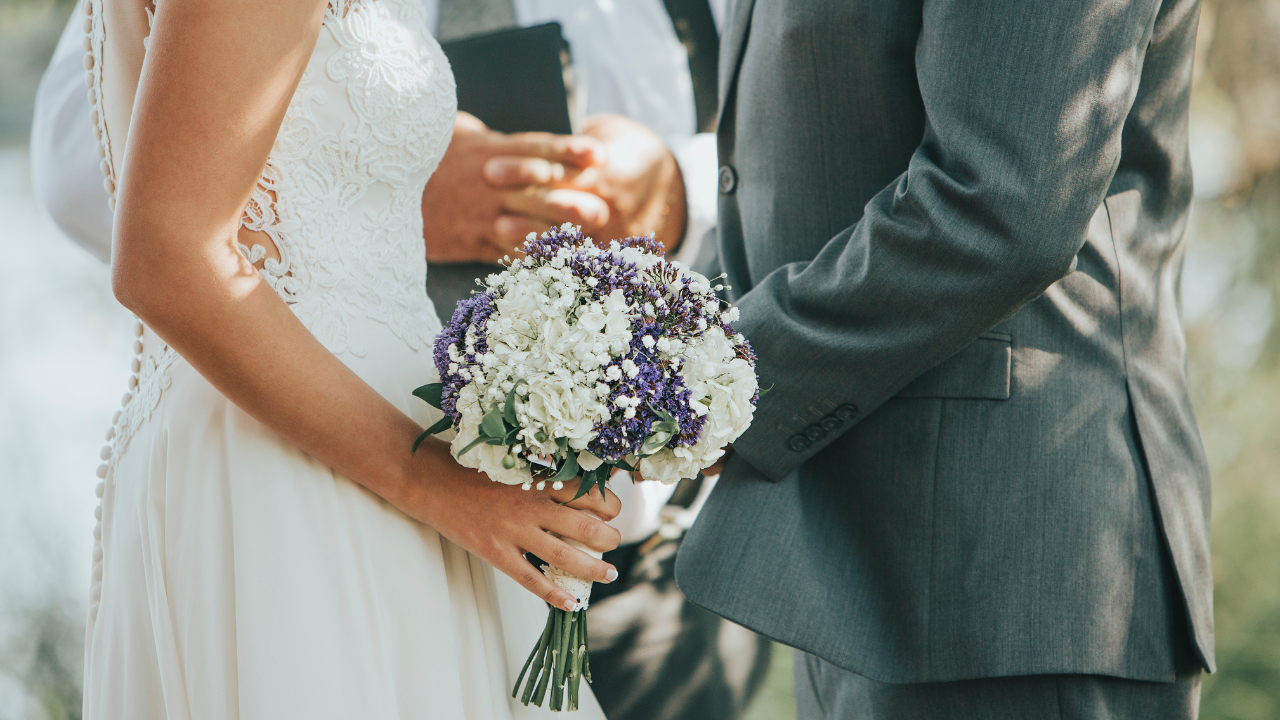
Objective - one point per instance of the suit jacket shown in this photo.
(955, 232)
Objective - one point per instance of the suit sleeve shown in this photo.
(64, 155)
(1025, 104)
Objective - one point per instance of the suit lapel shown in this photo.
(731, 45)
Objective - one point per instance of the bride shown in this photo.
(268, 547)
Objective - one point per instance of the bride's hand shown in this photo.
(500, 523)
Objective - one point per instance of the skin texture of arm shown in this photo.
(213, 92)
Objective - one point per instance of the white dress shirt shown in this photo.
(628, 58)
(64, 154)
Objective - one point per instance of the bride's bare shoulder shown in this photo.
(119, 35)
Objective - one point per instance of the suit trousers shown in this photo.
(826, 692)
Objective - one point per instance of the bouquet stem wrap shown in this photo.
(560, 660)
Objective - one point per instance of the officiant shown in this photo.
(638, 155)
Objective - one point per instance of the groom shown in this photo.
(976, 488)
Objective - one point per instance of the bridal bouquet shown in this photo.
(576, 360)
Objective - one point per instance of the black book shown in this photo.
(518, 80)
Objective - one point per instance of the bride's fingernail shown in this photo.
(570, 605)
(610, 575)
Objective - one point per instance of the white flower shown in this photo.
(563, 409)
(668, 468)
(588, 461)
(488, 458)
(630, 368)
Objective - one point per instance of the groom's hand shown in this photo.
(491, 189)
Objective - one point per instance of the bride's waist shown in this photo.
(393, 363)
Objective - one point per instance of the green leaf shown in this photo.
(654, 443)
(512, 436)
(568, 468)
(426, 434)
(662, 432)
(470, 445)
(492, 425)
(563, 444)
(430, 394)
(592, 478)
(620, 463)
(509, 411)
(440, 426)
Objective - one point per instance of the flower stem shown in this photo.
(586, 656)
(578, 645)
(558, 664)
(549, 668)
(557, 700)
(538, 650)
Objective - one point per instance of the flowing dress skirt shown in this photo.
(241, 578)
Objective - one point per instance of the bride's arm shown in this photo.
(214, 89)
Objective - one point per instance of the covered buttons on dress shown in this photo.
(110, 456)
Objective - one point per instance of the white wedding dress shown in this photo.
(234, 576)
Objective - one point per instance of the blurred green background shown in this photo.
(55, 303)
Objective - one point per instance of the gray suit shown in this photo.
(955, 231)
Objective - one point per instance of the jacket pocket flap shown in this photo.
(978, 372)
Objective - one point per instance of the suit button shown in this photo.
(847, 412)
(728, 179)
(798, 443)
(814, 433)
(830, 423)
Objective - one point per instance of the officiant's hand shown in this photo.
(474, 207)
(633, 172)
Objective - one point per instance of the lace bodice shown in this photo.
(340, 195)
(342, 191)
